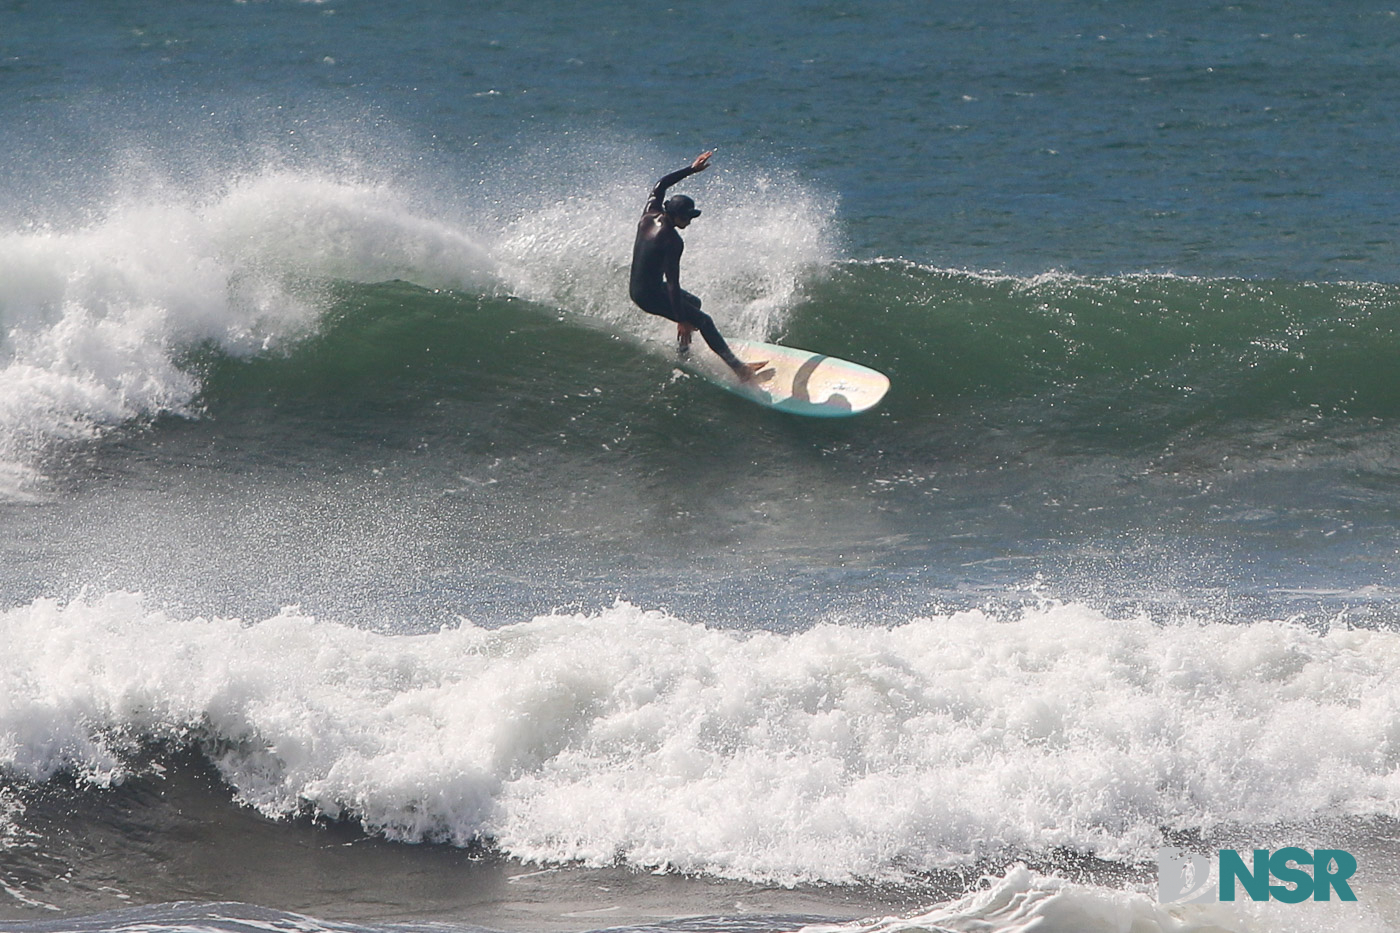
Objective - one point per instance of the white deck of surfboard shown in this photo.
(798, 381)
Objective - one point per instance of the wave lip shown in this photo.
(840, 754)
(97, 320)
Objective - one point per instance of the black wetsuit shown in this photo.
(656, 265)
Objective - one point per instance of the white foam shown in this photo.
(95, 319)
(838, 754)
(1022, 901)
(760, 236)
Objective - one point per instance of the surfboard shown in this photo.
(797, 381)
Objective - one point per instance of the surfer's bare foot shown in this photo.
(683, 334)
(753, 372)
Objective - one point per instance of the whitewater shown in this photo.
(100, 317)
(839, 754)
(368, 563)
(842, 754)
(889, 728)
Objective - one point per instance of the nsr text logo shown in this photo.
(1184, 877)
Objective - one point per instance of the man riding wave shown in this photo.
(656, 268)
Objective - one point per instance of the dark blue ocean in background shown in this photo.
(367, 562)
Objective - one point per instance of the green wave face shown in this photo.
(1123, 363)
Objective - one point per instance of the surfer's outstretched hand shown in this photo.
(702, 161)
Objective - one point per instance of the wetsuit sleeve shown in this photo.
(658, 194)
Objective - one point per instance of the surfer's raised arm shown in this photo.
(654, 203)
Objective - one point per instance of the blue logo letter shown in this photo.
(1324, 879)
(1256, 884)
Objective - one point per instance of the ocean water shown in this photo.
(368, 564)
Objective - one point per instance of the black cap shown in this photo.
(679, 205)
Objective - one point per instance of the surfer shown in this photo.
(656, 269)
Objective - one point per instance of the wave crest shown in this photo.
(837, 754)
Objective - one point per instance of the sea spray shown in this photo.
(98, 318)
(761, 236)
(836, 754)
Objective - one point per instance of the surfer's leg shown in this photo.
(692, 319)
(699, 320)
(685, 331)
